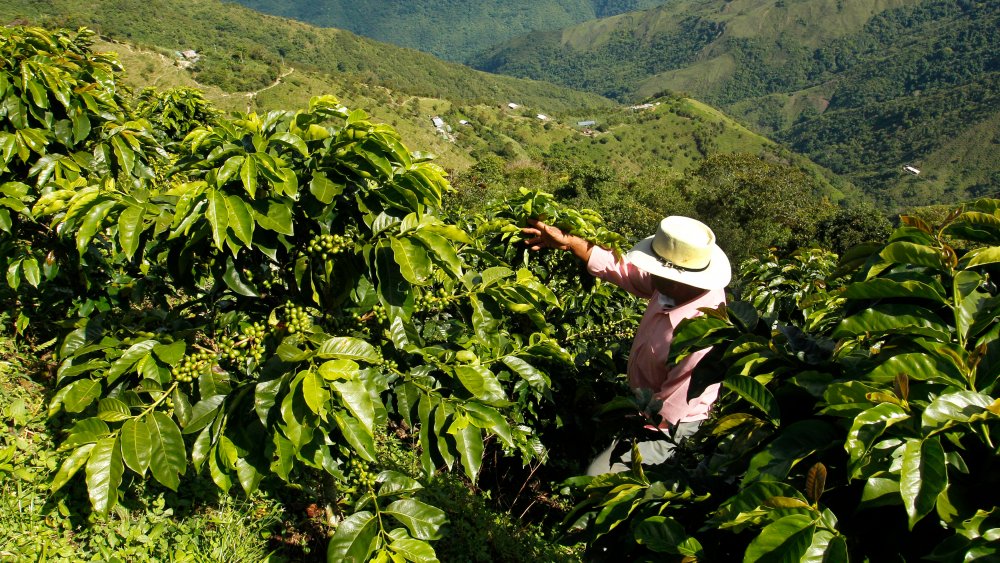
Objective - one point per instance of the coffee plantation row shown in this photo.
(266, 296)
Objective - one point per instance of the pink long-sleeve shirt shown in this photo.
(647, 363)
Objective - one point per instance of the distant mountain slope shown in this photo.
(862, 86)
(450, 29)
(242, 50)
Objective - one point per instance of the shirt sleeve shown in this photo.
(604, 265)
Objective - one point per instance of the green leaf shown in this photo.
(469, 440)
(111, 409)
(902, 252)
(235, 282)
(355, 397)
(538, 380)
(352, 542)
(92, 224)
(826, 548)
(218, 216)
(349, 348)
(395, 483)
(71, 465)
(754, 392)
(323, 189)
(442, 251)
(893, 318)
(414, 550)
(923, 477)
(359, 437)
(130, 229)
(339, 369)
(881, 288)
(127, 360)
(228, 170)
(240, 219)
(482, 383)
(168, 457)
(137, 447)
(31, 273)
(248, 173)
(170, 354)
(982, 256)
(315, 392)
(792, 444)
(414, 264)
(958, 407)
(81, 393)
(917, 365)
(104, 474)
(203, 413)
(786, 539)
(663, 534)
(867, 427)
(423, 520)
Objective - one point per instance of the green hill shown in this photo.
(864, 87)
(259, 62)
(241, 50)
(450, 29)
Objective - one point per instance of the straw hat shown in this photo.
(683, 250)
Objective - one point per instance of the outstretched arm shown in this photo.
(547, 236)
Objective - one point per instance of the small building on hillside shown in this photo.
(588, 123)
(912, 170)
(512, 105)
(542, 117)
(438, 122)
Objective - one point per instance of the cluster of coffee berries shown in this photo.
(390, 365)
(433, 300)
(380, 314)
(193, 365)
(297, 319)
(325, 246)
(360, 473)
(249, 343)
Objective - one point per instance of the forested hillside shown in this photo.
(450, 29)
(863, 87)
(240, 49)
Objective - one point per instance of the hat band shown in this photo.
(670, 264)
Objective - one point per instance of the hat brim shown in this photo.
(717, 275)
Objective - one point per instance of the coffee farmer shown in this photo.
(679, 270)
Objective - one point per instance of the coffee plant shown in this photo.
(857, 419)
(264, 295)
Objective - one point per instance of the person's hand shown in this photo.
(545, 236)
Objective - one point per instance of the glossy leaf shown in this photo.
(482, 383)
(137, 447)
(923, 477)
(422, 520)
(786, 539)
(104, 474)
(758, 395)
(168, 456)
(352, 542)
(349, 348)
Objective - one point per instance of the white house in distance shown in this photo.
(543, 117)
(911, 169)
(438, 122)
(512, 105)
